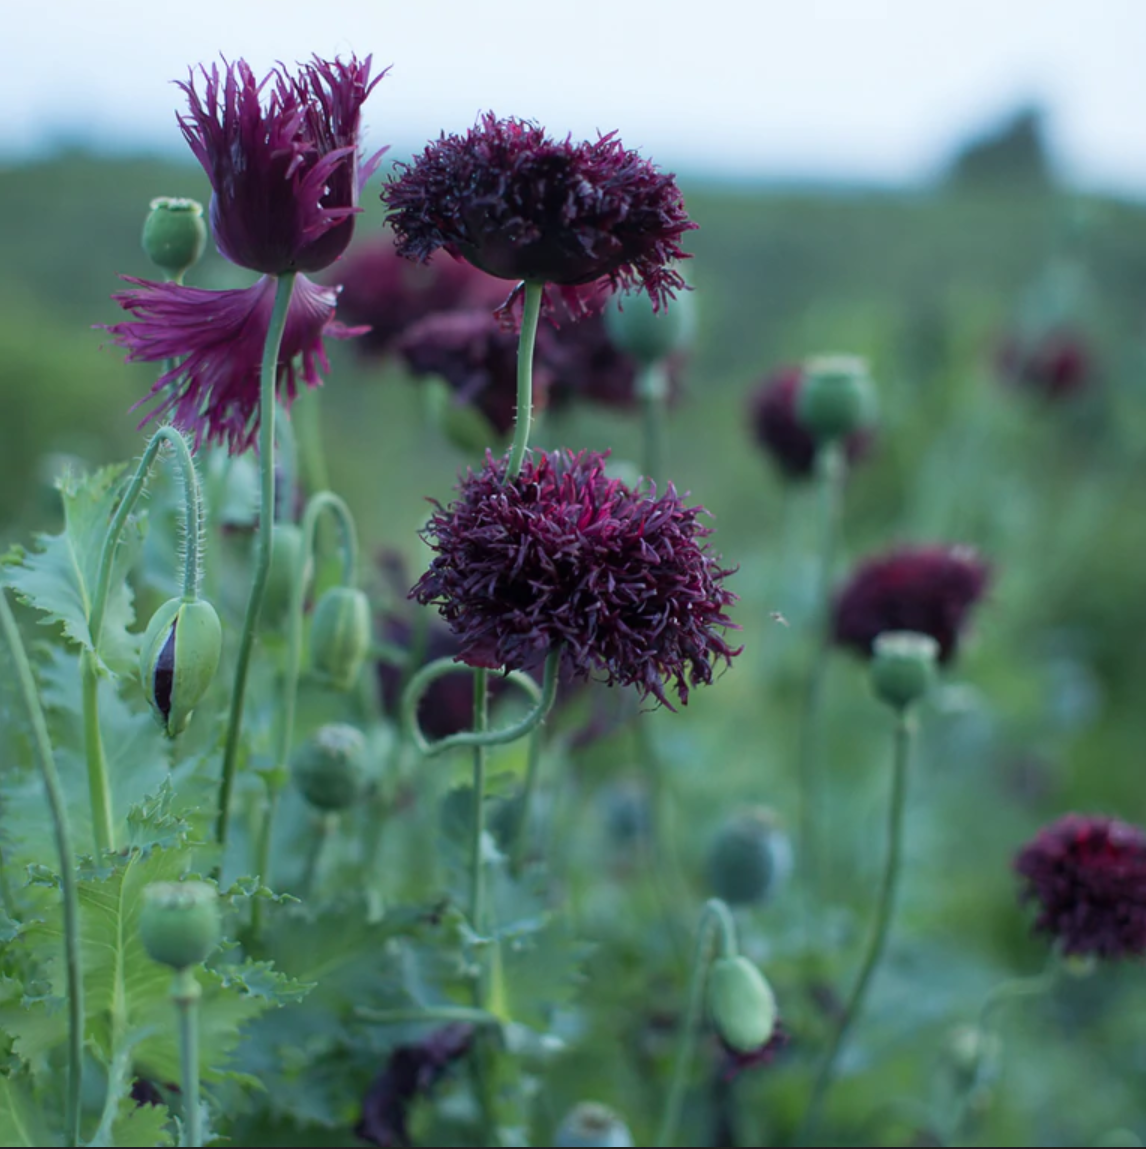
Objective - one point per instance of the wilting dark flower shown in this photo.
(412, 1071)
(522, 206)
(285, 176)
(216, 339)
(1088, 878)
(925, 589)
(563, 556)
(734, 1062)
(1055, 364)
(778, 430)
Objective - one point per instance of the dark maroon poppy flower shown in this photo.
(285, 176)
(525, 207)
(1088, 878)
(216, 339)
(411, 1072)
(1056, 365)
(563, 556)
(925, 589)
(778, 430)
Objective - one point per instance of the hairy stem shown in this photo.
(185, 993)
(530, 314)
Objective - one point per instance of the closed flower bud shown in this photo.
(179, 922)
(178, 659)
(836, 398)
(588, 1125)
(742, 1004)
(286, 549)
(175, 234)
(329, 767)
(903, 666)
(750, 857)
(647, 335)
(340, 635)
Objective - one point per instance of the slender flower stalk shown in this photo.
(283, 289)
(185, 993)
(73, 957)
(523, 421)
(477, 867)
(652, 386)
(324, 827)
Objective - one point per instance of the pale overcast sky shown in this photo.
(855, 89)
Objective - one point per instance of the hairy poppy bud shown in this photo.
(742, 1004)
(836, 398)
(647, 335)
(903, 666)
(750, 857)
(286, 549)
(590, 1125)
(178, 659)
(179, 922)
(175, 234)
(328, 767)
(340, 635)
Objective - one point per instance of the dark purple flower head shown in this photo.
(522, 206)
(216, 338)
(1088, 878)
(925, 589)
(286, 175)
(778, 430)
(1055, 365)
(565, 556)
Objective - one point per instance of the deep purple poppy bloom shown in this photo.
(411, 1072)
(1088, 878)
(525, 207)
(925, 589)
(217, 339)
(286, 176)
(563, 556)
(1055, 365)
(772, 408)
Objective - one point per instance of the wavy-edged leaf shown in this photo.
(21, 1115)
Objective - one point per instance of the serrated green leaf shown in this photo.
(141, 1126)
(21, 1116)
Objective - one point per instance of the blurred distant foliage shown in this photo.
(1012, 155)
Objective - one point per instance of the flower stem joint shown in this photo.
(175, 235)
(903, 666)
(340, 635)
(328, 768)
(178, 659)
(742, 1004)
(836, 398)
(179, 923)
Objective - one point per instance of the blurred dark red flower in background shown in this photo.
(1055, 365)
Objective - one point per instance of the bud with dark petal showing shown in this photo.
(903, 666)
(590, 1125)
(836, 398)
(340, 635)
(750, 857)
(175, 234)
(741, 1002)
(179, 922)
(647, 335)
(329, 767)
(178, 659)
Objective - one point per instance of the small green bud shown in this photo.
(179, 922)
(750, 858)
(286, 550)
(836, 397)
(175, 234)
(903, 666)
(742, 1004)
(329, 767)
(647, 335)
(589, 1125)
(340, 635)
(178, 659)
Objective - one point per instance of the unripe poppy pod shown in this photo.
(178, 659)
(903, 666)
(589, 1126)
(175, 234)
(836, 398)
(179, 922)
(328, 768)
(340, 635)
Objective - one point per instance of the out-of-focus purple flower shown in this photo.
(1087, 876)
(216, 339)
(285, 176)
(786, 441)
(563, 556)
(411, 1072)
(926, 589)
(522, 206)
(1055, 365)
(391, 294)
(734, 1062)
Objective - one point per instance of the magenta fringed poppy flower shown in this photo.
(282, 157)
(525, 207)
(1087, 876)
(563, 556)
(926, 589)
(217, 339)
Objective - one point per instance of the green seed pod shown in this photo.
(178, 659)
(179, 922)
(329, 768)
(647, 335)
(750, 858)
(836, 397)
(741, 1002)
(286, 550)
(903, 666)
(589, 1125)
(340, 635)
(175, 234)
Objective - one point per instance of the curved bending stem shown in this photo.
(531, 313)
